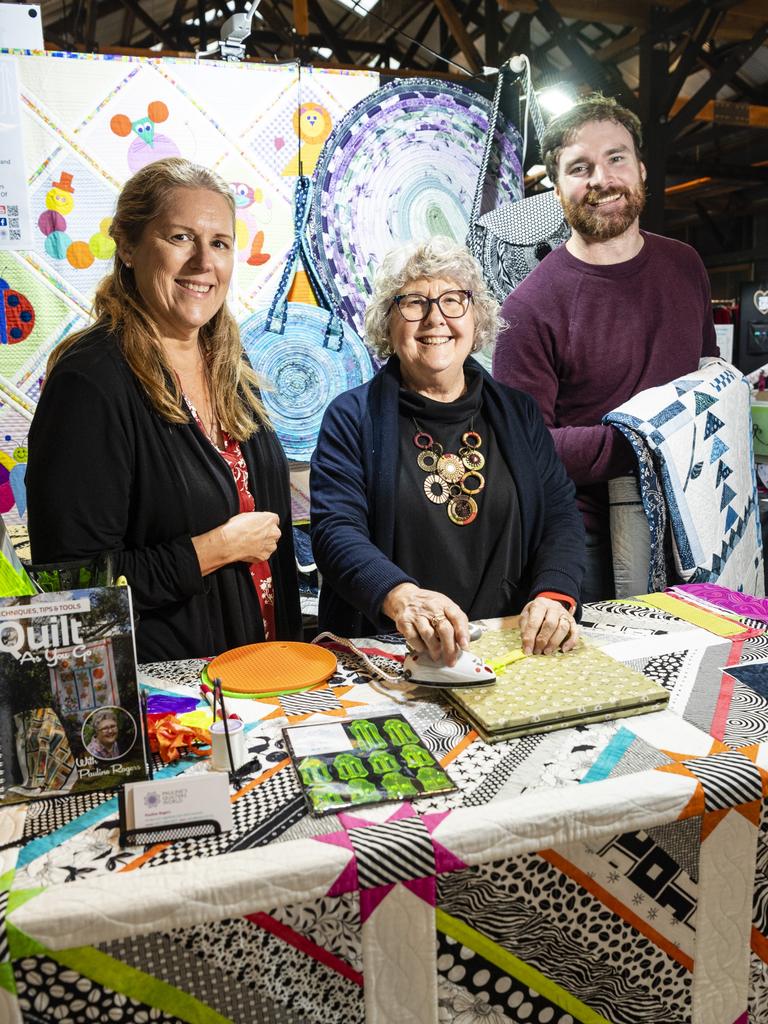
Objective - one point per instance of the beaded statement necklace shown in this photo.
(452, 479)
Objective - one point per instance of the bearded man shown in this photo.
(612, 312)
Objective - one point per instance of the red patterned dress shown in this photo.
(261, 574)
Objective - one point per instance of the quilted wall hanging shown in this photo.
(402, 164)
(89, 122)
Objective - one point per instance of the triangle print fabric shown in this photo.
(693, 442)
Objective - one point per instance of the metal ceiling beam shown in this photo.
(620, 48)
(392, 49)
(126, 32)
(722, 241)
(712, 61)
(66, 26)
(90, 24)
(276, 19)
(421, 34)
(653, 114)
(739, 115)
(202, 39)
(690, 55)
(706, 137)
(492, 33)
(519, 39)
(682, 18)
(472, 14)
(716, 170)
(268, 38)
(638, 14)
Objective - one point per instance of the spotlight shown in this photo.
(556, 100)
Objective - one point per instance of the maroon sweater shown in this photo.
(582, 339)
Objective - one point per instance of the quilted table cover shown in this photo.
(617, 872)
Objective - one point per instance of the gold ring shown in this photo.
(436, 620)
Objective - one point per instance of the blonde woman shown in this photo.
(150, 441)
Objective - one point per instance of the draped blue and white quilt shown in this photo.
(693, 442)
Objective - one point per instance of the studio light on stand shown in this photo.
(234, 33)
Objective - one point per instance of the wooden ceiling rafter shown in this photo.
(602, 77)
(458, 31)
(594, 44)
(717, 80)
(737, 25)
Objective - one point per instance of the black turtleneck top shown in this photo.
(476, 565)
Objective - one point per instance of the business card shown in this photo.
(179, 801)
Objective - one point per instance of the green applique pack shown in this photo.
(363, 761)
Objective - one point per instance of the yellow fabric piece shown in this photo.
(688, 613)
(198, 719)
(516, 968)
(498, 664)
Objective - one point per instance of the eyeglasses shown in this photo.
(414, 307)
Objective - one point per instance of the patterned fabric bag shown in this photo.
(513, 239)
(306, 354)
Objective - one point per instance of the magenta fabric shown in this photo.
(729, 600)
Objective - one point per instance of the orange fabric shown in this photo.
(168, 736)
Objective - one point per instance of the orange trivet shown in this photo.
(270, 669)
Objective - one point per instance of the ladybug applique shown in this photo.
(17, 315)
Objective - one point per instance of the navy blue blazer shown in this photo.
(354, 489)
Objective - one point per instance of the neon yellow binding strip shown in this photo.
(516, 968)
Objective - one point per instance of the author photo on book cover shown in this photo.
(107, 733)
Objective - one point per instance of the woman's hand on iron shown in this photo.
(429, 621)
(246, 537)
(546, 626)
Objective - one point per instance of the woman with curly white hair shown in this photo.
(437, 496)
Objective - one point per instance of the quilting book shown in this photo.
(363, 761)
(542, 693)
(69, 704)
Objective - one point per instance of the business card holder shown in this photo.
(149, 835)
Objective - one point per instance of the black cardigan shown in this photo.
(354, 488)
(107, 473)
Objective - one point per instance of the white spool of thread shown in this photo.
(219, 755)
